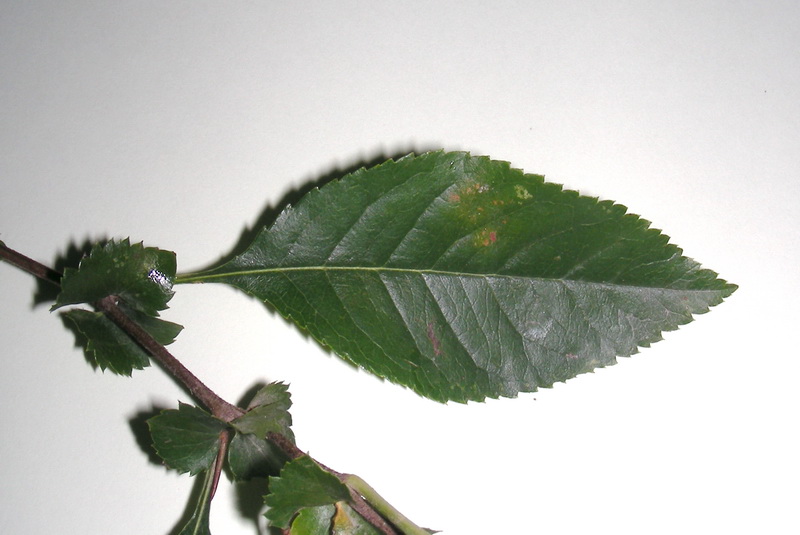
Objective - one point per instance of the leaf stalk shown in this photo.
(379, 504)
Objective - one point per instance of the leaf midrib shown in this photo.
(212, 276)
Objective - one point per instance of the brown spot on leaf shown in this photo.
(437, 346)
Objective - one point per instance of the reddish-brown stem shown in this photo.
(224, 440)
(360, 505)
(285, 445)
(29, 265)
(218, 406)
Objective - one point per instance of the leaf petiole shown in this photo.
(379, 504)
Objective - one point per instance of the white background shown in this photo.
(179, 123)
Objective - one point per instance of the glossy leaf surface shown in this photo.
(462, 278)
(302, 483)
(140, 276)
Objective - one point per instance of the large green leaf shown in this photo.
(463, 278)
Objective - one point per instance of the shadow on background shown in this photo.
(47, 292)
(141, 433)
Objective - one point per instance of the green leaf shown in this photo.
(348, 522)
(276, 394)
(313, 521)
(462, 278)
(140, 276)
(250, 456)
(250, 453)
(302, 483)
(338, 519)
(268, 412)
(187, 438)
(109, 347)
(198, 524)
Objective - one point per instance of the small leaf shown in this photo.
(463, 278)
(250, 456)
(348, 522)
(338, 519)
(163, 332)
(198, 524)
(272, 394)
(140, 276)
(313, 521)
(109, 347)
(187, 438)
(269, 412)
(302, 483)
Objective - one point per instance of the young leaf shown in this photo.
(198, 524)
(338, 519)
(302, 483)
(110, 348)
(275, 394)
(141, 276)
(187, 439)
(347, 522)
(462, 278)
(269, 412)
(313, 521)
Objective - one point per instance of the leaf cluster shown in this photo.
(190, 439)
(455, 276)
(140, 281)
